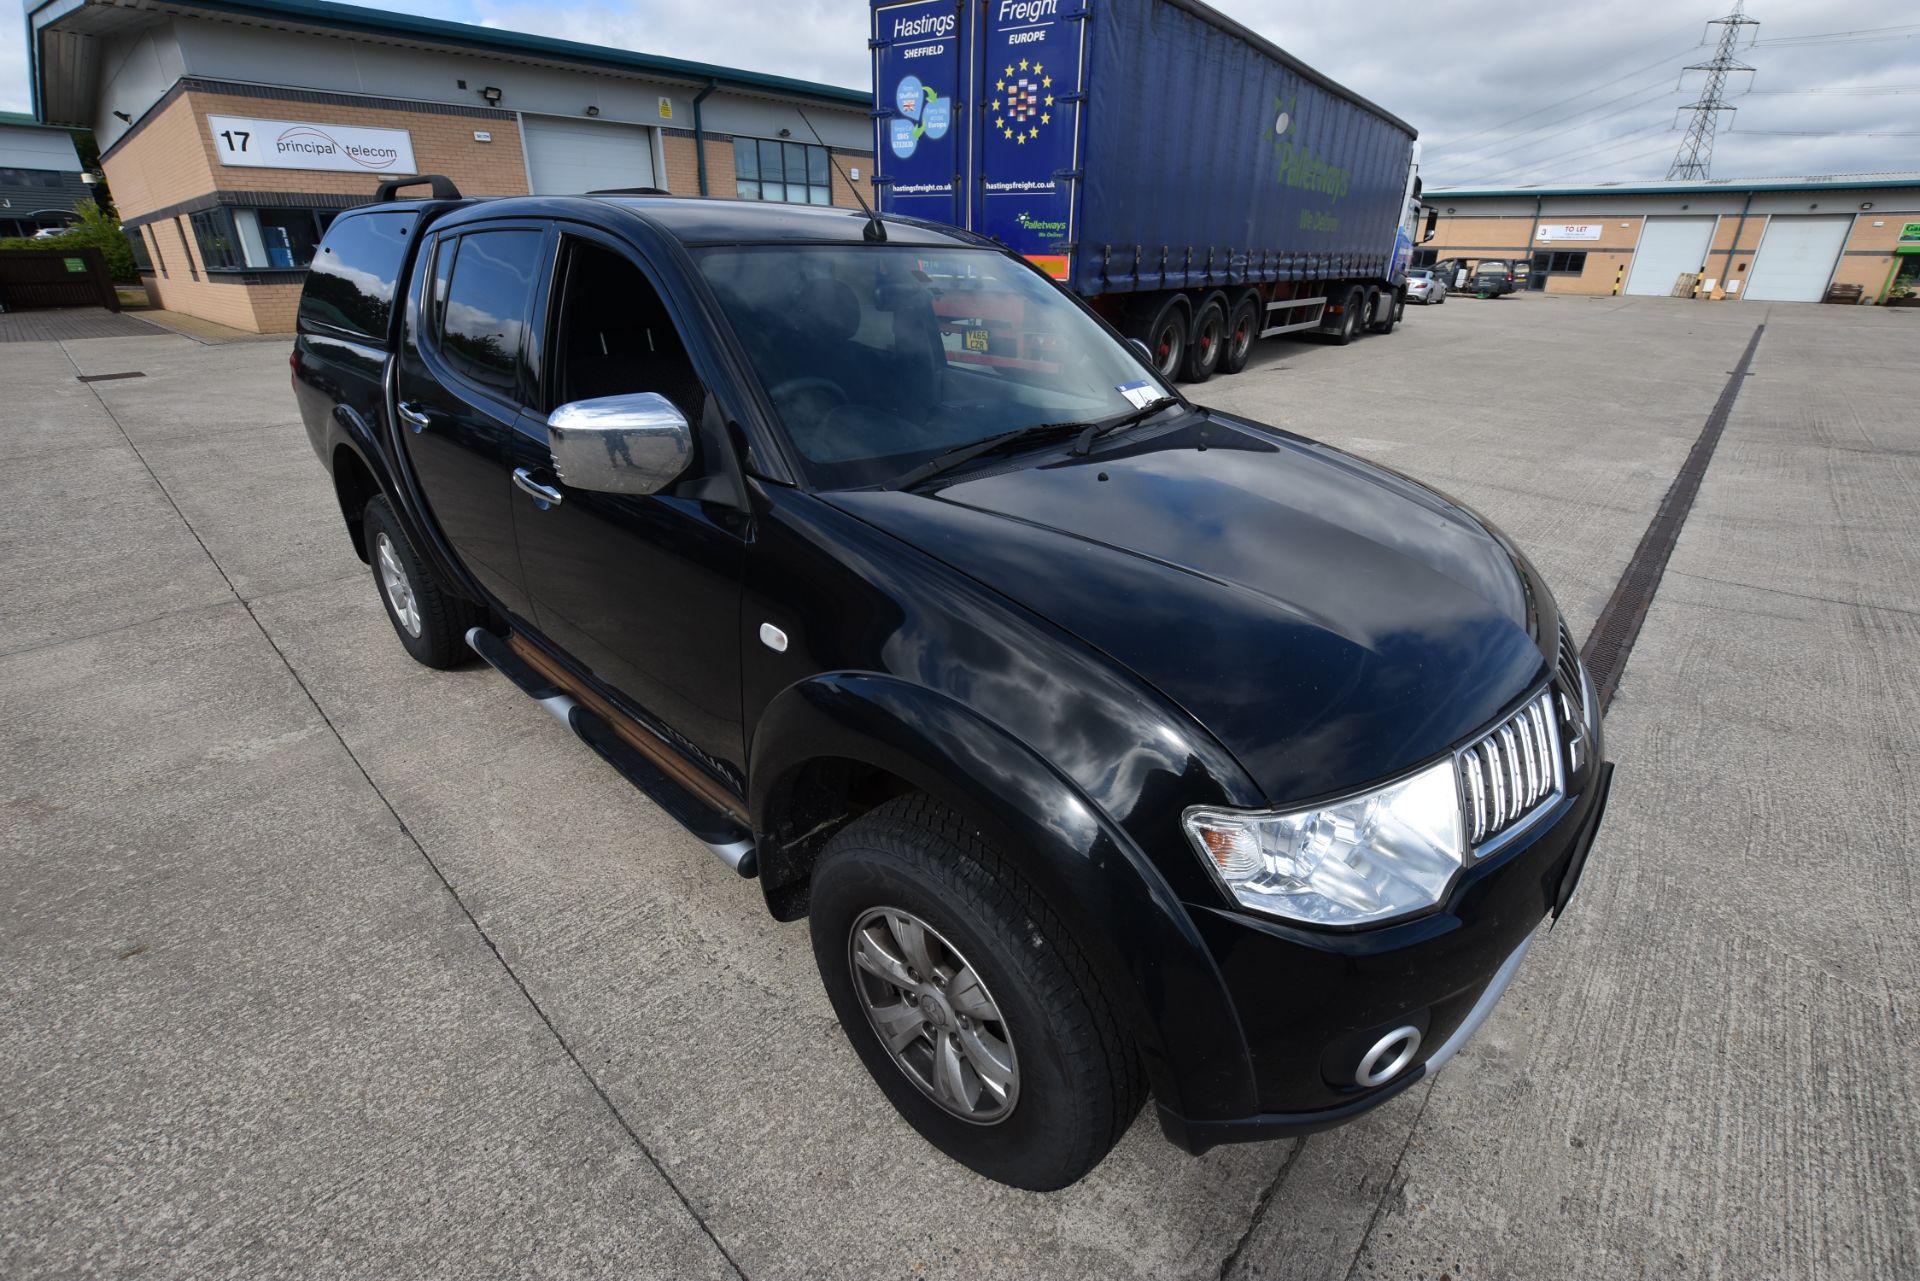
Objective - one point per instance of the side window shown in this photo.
(485, 309)
(350, 282)
(613, 335)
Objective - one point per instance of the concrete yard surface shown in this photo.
(316, 963)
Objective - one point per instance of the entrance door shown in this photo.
(642, 589)
(1797, 256)
(569, 157)
(1668, 249)
(462, 388)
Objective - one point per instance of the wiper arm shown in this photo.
(1095, 431)
(953, 458)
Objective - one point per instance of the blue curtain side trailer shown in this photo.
(1200, 186)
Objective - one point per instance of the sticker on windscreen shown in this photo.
(1139, 394)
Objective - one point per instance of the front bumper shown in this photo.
(1311, 1003)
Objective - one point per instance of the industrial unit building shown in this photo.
(231, 131)
(40, 182)
(1724, 239)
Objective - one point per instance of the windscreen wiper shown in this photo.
(1095, 431)
(966, 453)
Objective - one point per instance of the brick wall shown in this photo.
(172, 160)
(1869, 259)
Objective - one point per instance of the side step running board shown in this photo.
(730, 841)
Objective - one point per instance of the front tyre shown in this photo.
(430, 622)
(964, 995)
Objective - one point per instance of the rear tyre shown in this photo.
(430, 622)
(1208, 342)
(1243, 326)
(977, 1014)
(1165, 335)
(1350, 317)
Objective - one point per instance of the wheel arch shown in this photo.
(355, 486)
(881, 736)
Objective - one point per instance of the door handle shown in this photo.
(544, 496)
(416, 419)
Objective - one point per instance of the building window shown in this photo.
(159, 259)
(186, 249)
(138, 245)
(1425, 257)
(281, 237)
(794, 172)
(49, 178)
(219, 247)
(1557, 263)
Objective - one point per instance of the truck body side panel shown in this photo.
(1210, 162)
(1138, 145)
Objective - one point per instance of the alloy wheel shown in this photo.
(394, 581)
(933, 1012)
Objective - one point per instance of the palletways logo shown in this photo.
(1042, 226)
(1296, 166)
(306, 140)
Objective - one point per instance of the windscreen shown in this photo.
(877, 357)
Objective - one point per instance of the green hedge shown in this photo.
(100, 230)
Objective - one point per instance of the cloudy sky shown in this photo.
(1502, 91)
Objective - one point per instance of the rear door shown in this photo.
(463, 383)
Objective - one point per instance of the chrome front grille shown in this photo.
(1571, 685)
(1512, 771)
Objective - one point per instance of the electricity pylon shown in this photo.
(1695, 157)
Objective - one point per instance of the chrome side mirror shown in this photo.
(631, 444)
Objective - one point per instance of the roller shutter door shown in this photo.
(567, 157)
(1668, 247)
(1796, 257)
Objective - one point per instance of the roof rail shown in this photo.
(443, 188)
(631, 191)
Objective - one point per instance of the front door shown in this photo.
(644, 591)
(461, 384)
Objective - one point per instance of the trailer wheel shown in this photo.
(1209, 340)
(1166, 336)
(1243, 326)
(1350, 317)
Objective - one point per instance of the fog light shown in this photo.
(1388, 1058)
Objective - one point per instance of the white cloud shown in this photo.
(1456, 71)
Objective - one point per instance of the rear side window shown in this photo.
(484, 315)
(350, 283)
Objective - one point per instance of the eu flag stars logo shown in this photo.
(1024, 100)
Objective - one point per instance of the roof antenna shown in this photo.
(876, 230)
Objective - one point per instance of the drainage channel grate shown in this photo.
(1618, 626)
(106, 378)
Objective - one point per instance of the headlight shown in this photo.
(1365, 859)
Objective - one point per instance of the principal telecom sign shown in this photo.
(247, 142)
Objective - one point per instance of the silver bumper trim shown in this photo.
(1481, 1008)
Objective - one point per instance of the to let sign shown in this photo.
(1569, 231)
(247, 142)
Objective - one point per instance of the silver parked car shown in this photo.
(1425, 287)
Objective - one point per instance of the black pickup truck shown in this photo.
(1111, 745)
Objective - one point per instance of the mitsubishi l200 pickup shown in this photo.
(1110, 745)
